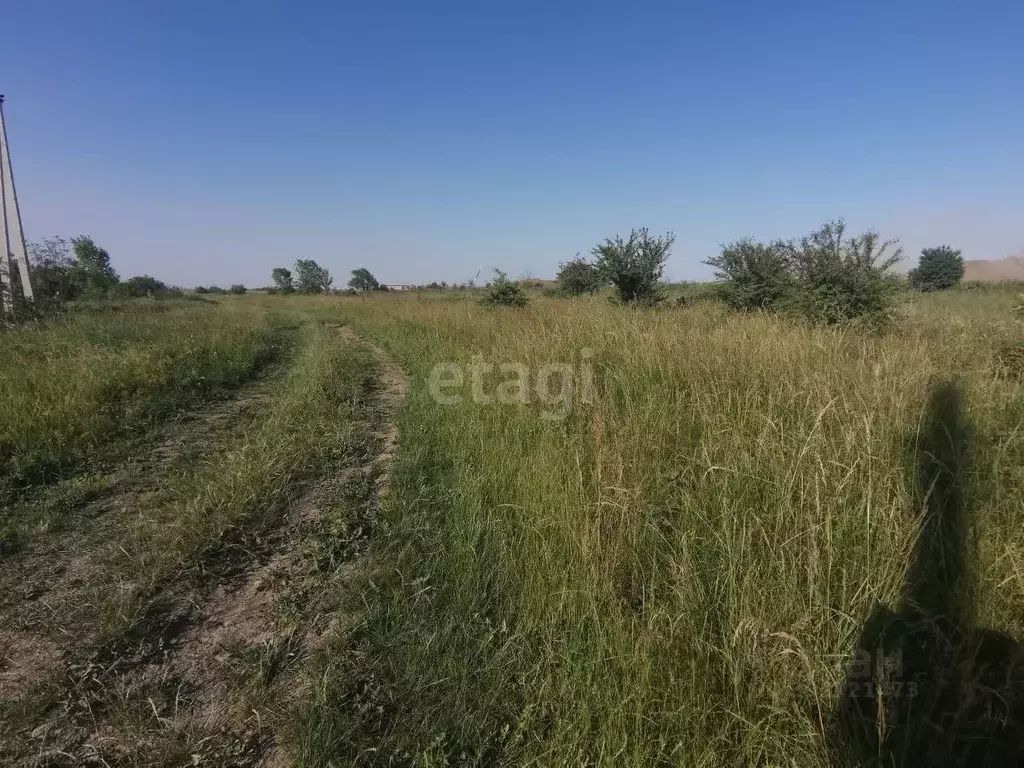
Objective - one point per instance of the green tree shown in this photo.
(754, 275)
(362, 280)
(578, 276)
(938, 269)
(238, 289)
(310, 277)
(93, 266)
(282, 278)
(502, 292)
(635, 265)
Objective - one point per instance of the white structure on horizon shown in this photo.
(398, 287)
(14, 235)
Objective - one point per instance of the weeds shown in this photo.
(72, 385)
(675, 574)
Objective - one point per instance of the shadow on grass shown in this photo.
(926, 687)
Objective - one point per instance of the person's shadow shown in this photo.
(925, 686)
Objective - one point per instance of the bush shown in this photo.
(238, 289)
(755, 275)
(939, 269)
(54, 272)
(578, 277)
(502, 292)
(635, 266)
(843, 281)
(826, 277)
(139, 286)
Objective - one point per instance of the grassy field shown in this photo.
(676, 572)
(610, 537)
(205, 478)
(74, 389)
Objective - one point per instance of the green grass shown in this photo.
(308, 430)
(156, 552)
(676, 574)
(73, 386)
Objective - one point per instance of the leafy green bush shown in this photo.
(503, 292)
(578, 277)
(137, 287)
(635, 265)
(939, 269)
(755, 275)
(238, 289)
(845, 280)
(826, 277)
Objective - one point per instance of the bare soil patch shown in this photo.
(994, 270)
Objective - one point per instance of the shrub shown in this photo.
(755, 275)
(502, 292)
(141, 285)
(54, 274)
(827, 277)
(578, 277)
(635, 266)
(939, 269)
(238, 289)
(845, 280)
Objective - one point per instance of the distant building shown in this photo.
(398, 287)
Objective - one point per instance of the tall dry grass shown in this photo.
(675, 573)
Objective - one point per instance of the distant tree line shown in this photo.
(826, 276)
(65, 270)
(310, 277)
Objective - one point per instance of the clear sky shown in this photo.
(206, 142)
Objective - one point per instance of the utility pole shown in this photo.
(14, 235)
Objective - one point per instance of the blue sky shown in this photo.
(207, 142)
